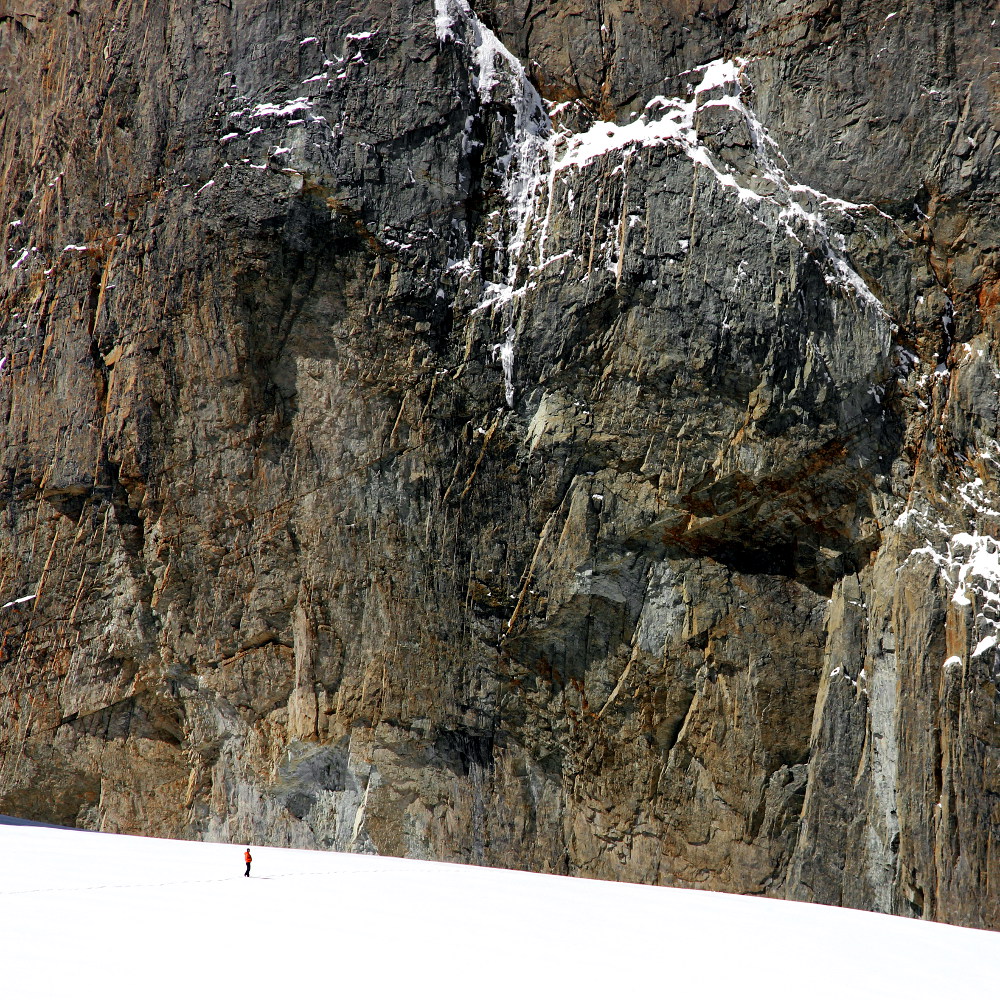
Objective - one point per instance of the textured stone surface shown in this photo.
(397, 472)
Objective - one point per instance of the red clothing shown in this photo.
(246, 857)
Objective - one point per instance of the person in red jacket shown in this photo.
(247, 859)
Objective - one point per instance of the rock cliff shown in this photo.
(543, 434)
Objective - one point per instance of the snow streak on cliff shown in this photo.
(541, 158)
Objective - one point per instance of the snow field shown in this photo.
(98, 915)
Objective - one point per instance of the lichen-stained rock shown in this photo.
(550, 435)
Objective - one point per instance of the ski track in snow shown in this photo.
(162, 918)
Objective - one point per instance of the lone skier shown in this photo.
(247, 858)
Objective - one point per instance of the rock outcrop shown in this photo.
(559, 436)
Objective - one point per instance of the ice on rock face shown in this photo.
(287, 110)
(984, 645)
(975, 495)
(18, 600)
(499, 79)
(976, 561)
(443, 20)
(505, 351)
(801, 211)
(536, 155)
(969, 566)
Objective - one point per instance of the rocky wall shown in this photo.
(558, 436)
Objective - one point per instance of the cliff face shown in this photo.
(550, 435)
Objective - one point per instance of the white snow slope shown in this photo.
(96, 915)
